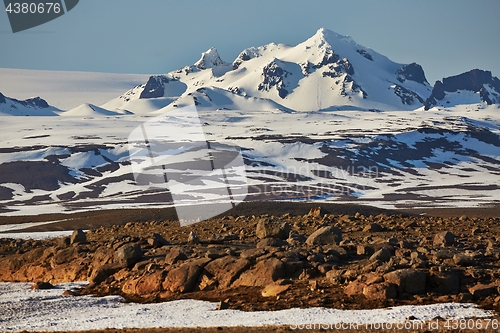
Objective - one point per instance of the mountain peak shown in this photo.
(210, 59)
(324, 37)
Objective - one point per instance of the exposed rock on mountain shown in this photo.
(483, 86)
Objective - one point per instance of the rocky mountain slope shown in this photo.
(29, 107)
(327, 71)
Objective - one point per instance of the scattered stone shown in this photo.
(157, 240)
(128, 255)
(223, 305)
(271, 242)
(225, 270)
(407, 280)
(373, 227)
(252, 254)
(265, 272)
(482, 290)
(444, 283)
(272, 229)
(325, 236)
(273, 290)
(41, 286)
(382, 255)
(193, 238)
(382, 291)
(354, 288)
(69, 293)
(175, 255)
(78, 236)
(444, 238)
(183, 279)
(463, 259)
(316, 212)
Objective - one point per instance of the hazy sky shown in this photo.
(446, 37)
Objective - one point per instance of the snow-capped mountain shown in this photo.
(326, 72)
(475, 86)
(29, 107)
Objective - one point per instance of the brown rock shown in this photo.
(41, 286)
(175, 255)
(183, 279)
(380, 291)
(444, 283)
(101, 273)
(354, 288)
(463, 259)
(316, 212)
(225, 270)
(373, 227)
(325, 236)
(444, 238)
(149, 284)
(483, 290)
(252, 254)
(78, 236)
(65, 255)
(272, 229)
(273, 290)
(193, 238)
(265, 272)
(383, 255)
(407, 280)
(128, 255)
(271, 242)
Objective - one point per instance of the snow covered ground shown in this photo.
(436, 158)
(23, 309)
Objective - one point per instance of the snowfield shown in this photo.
(393, 159)
(47, 310)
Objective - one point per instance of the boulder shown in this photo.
(316, 212)
(383, 255)
(183, 279)
(157, 240)
(380, 291)
(272, 229)
(128, 255)
(193, 238)
(78, 236)
(444, 283)
(265, 272)
(175, 255)
(225, 270)
(354, 288)
(325, 236)
(407, 280)
(373, 227)
(41, 286)
(483, 290)
(273, 290)
(444, 238)
(271, 242)
(149, 284)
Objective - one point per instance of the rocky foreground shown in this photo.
(274, 262)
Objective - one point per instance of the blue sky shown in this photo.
(447, 37)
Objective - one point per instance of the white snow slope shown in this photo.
(327, 71)
(23, 309)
